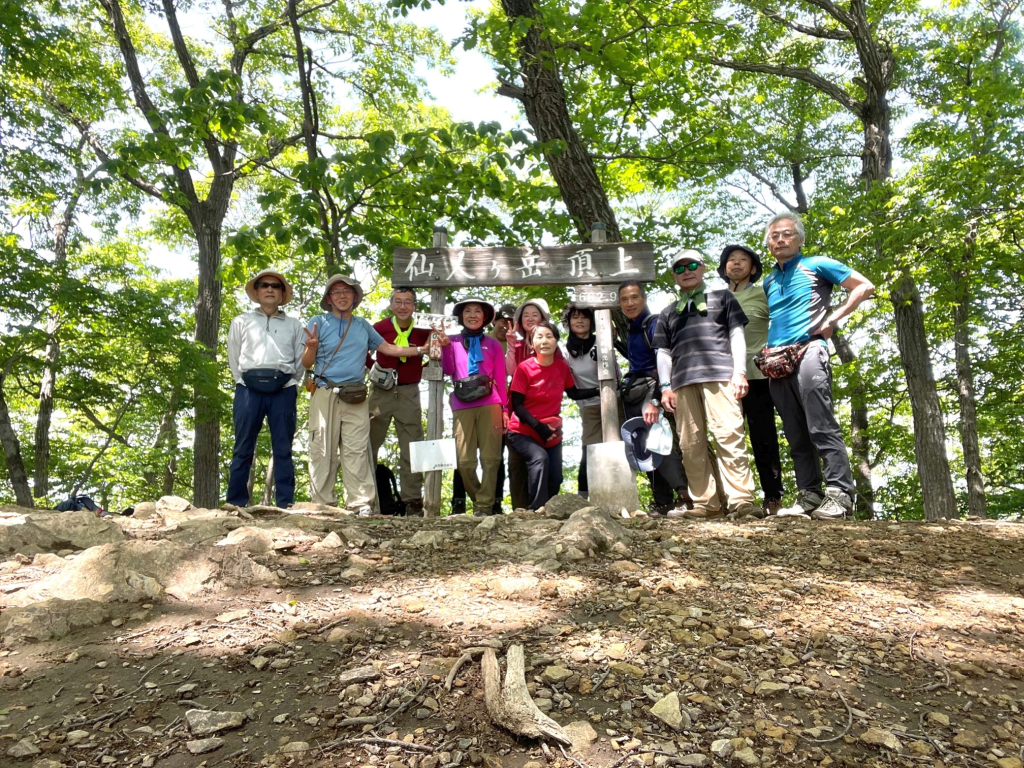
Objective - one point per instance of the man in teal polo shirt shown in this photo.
(339, 415)
(799, 291)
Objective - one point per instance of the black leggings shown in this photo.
(543, 468)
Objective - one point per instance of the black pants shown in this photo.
(669, 477)
(459, 488)
(804, 400)
(543, 468)
(759, 411)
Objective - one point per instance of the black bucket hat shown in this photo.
(756, 270)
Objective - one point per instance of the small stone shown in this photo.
(294, 746)
(938, 718)
(278, 719)
(260, 662)
(767, 688)
(581, 733)
(187, 690)
(629, 670)
(617, 651)
(76, 737)
(746, 756)
(1005, 762)
(202, 746)
(881, 738)
(24, 748)
(72, 657)
(722, 748)
(331, 541)
(280, 663)
(695, 760)
(358, 675)
(669, 712)
(47, 763)
(556, 674)
(342, 635)
(969, 740)
(203, 722)
(413, 605)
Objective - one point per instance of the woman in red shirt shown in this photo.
(535, 426)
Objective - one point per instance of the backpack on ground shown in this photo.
(75, 503)
(387, 492)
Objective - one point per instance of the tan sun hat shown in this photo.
(250, 287)
(325, 302)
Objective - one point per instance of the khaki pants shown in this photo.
(402, 404)
(339, 427)
(711, 406)
(590, 415)
(479, 429)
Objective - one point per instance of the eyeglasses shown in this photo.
(786, 234)
(342, 292)
(689, 266)
(265, 284)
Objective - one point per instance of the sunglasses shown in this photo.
(275, 286)
(690, 266)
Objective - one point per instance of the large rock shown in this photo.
(260, 539)
(175, 517)
(562, 506)
(50, 620)
(136, 571)
(145, 510)
(207, 722)
(593, 528)
(172, 504)
(47, 531)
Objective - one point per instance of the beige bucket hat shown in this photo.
(325, 302)
(250, 287)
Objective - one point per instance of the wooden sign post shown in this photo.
(596, 267)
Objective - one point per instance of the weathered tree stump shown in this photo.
(512, 707)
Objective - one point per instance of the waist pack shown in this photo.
(636, 388)
(349, 391)
(266, 381)
(383, 378)
(473, 388)
(780, 362)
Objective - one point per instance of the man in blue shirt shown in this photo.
(799, 291)
(640, 387)
(339, 414)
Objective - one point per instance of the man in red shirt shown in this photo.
(395, 393)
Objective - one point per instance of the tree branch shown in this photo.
(827, 87)
(822, 32)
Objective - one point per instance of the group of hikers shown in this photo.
(718, 362)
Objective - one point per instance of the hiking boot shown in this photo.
(836, 505)
(697, 513)
(806, 502)
(771, 507)
(747, 509)
(458, 506)
(414, 508)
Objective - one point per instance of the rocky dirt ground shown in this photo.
(186, 637)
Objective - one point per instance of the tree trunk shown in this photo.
(165, 448)
(547, 111)
(912, 339)
(929, 428)
(860, 444)
(51, 357)
(47, 385)
(976, 502)
(206, 447)
(12, 454)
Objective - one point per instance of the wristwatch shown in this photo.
(656, 403)
(666, 385)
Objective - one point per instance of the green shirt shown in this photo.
(755, 307)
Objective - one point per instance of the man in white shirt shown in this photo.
(264, 353)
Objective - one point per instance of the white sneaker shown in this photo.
(806, 502)
(365, 512)
(836, 505)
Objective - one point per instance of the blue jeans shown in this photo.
(543, 468)
(249, 410)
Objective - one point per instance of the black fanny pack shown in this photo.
(473, 388)
(266, 381)
(636, 388)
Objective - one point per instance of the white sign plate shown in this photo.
(432, 455)
(597, 296)
(426, 321)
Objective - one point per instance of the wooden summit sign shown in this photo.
(591, 263)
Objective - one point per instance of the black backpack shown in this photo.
(387, 492)
(75, 503)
